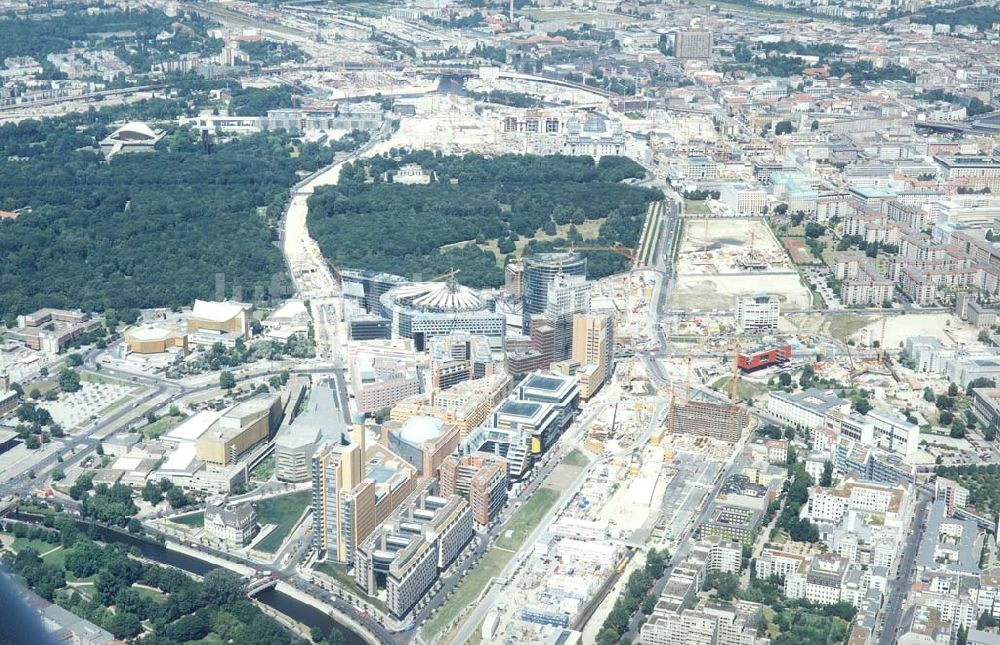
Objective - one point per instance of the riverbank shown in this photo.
(337, 615)
(243, 570)
(293, 606)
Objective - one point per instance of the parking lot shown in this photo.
(77, 409)
(816, 277)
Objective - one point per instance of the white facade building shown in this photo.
(757, 313)
(743, 199)
(805, 409)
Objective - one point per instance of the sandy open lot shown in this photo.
(708, 293)
(866, 327)
(948, 328)
(716, 245)
(722, 258)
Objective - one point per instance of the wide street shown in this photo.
(549, 463)
(898, 587)
(734, 464)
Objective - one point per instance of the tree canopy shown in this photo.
(132, 34)
(188, 610)
(144, 229)
(367, 221)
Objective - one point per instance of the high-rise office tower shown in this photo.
(566, 297)
(539, 270)
(594, 343)
(693, 43)
(336, 474)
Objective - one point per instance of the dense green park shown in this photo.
(983, 482)
(370, 222)
(143, 229)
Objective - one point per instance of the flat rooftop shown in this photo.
(549, 383)
(194, 427)
(524, 409)
(320, 415)
(964, 546)
(967, 160)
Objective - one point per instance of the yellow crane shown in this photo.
(449, 274)
(881, 341)
(620, 250)
(735, 415)
(735, 380)
(687, 380)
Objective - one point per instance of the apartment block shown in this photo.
(701, 418)
(481, 479)
(407, 553)
(806, 409)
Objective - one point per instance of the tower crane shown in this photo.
(735, 415)
(881, 341)
(449, 274)
(620, 250)
(687, 380)
(735, 380)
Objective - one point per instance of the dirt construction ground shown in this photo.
(711, 272)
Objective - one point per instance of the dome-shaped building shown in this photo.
(134, 131)
(423, 310)
(421, 429)
(423, 441)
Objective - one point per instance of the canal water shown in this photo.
(281, 602)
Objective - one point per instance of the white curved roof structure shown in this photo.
(437, 296)
(216, 311)
(420, 429)
(134, 131)
(151, 333)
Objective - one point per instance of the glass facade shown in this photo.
(539, 270)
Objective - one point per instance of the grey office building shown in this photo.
(539, 270)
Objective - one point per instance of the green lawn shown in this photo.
(526, 518)
(42, 386)
(842, 327)
(769, 11)
(489, 565)
(744, 389)
(38, 545)
(576, 458)
(263, 471)
(194, 520)
(155, 596)
(493, 562)
(347, 582)
(282, 511)
(162, 426)
(71, 578)
(100, 378)
(57, 558)
(696, 207)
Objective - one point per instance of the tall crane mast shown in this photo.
(735, 380)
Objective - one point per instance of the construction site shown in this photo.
(719, 259)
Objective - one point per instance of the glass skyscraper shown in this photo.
(539, 270)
